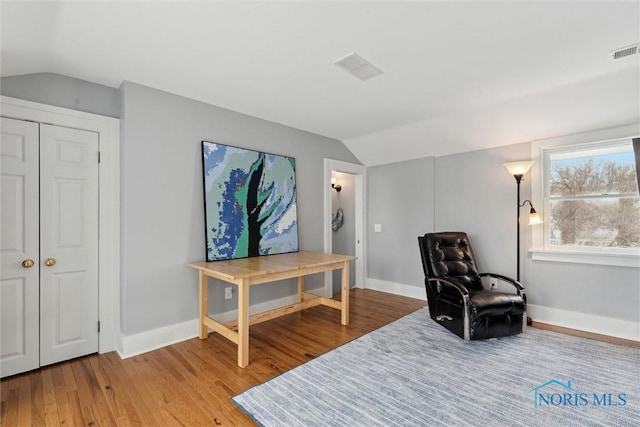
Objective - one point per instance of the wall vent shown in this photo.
(623, 52)
(357, 66)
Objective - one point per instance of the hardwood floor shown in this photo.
(189, 383)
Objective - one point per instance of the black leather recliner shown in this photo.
(456, 296)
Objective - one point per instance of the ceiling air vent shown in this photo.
(357, 66)
(625, 51)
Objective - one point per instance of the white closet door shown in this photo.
(19, 225)
(68, 243)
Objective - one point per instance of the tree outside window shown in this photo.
(592, 197)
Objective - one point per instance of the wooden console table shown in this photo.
(247, 272)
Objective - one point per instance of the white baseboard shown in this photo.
(133, 345)
(417, 292)
(585, 322)
(567, 319)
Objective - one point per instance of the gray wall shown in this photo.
(473, 192)
(63, 91)
(162, 201)
(162, 219)
(476, 194)
(599, 290)
(344, 239)
(400, 197)
(162, 205)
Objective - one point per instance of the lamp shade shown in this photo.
(534, 218)
(518, 168)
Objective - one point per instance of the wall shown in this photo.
(400, 197)
(162, 218)
(343, 240)
(476, 194)
(63, 91)
(162, 201)
(473, 192)
(162, 207)
(482, 201)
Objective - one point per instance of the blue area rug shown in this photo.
(413, 372)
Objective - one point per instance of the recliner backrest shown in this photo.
(449, 254)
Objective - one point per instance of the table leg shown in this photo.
(204, 304)
(300, 288)
(243, 323)
(345, 294)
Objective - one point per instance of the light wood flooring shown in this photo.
(189, 383)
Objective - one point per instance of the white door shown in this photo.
(68, 243)
(19, 246)
(49, 245)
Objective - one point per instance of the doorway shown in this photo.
(343, 226)
(356, 178)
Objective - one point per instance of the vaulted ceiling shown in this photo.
(458, 75)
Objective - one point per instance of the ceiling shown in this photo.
(458, 76)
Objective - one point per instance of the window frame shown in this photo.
(541, 248)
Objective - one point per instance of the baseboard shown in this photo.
(597, 325)
(583, 334)
(417, 292)
(574, 323)
(133, 345)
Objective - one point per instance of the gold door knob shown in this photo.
(28, 263)
(50, 262)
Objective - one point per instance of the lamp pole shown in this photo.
(518, 169)
(518, 179)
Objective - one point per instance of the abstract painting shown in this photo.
(250, 202)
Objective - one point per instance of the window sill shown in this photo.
(618, 260)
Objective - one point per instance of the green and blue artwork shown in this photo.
(250, 202)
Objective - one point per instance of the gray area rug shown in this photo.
(414, 372)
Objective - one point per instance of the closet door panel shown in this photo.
(69, 243)
(19, 247)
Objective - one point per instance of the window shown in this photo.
(591, 198)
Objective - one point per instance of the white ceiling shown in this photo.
(458, 76)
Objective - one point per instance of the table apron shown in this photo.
(273, 277)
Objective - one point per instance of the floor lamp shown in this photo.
(518, 169)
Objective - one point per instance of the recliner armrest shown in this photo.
(507, 279)
(453, 282)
